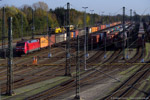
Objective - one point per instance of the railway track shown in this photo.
(50, 94)
(127, 88)
(22, 75)
(21, 72)
(58, 90)
(3, 70)
(44, 71)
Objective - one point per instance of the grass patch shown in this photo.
(147, 51)
(141, 87)
(27, 91)
(74, 73)
(144, 83)
(130, 53)
(133, 68)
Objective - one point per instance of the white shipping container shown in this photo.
(90, 31)
(65, 36)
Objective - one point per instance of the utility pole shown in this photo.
(64, 18)
(127, 57)
(87, 34)
(68, 60)
(33, 28)
(102, 17)
(65, 21)
(123, 33)
(48, 30)
(131, 15)
(143, 36)
(49, 41)
(105, 45)
(0, 91)
(22, 26)
(3, 33)
(91, 17)
(10, 59)
(109, 18)
(128, 37)
(77, 71)
(91, 43)
(85, 54)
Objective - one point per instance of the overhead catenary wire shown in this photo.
(117, 11)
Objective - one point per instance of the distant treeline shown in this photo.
(43, 15)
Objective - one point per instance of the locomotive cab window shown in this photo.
(20, 44)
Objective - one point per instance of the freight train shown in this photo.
(27, 46)
(121, 39)
(111, 37)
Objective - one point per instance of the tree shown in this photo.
(40, 5)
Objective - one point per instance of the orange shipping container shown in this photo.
(71, 34)
(43, 42)
(98, 36)
(104, 26)
(94, 29)
(52, 40)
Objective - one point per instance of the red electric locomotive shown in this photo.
(27, 46)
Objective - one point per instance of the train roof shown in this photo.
(29, 41)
